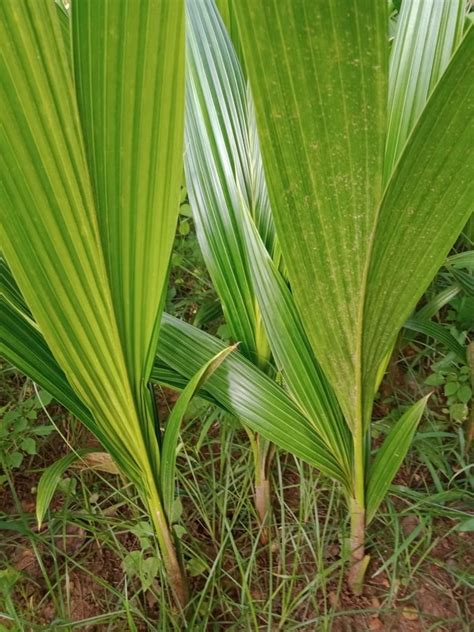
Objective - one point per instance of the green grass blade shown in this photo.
(428, 33)
(390, 456)
(319, 80)
(50, 479)
(462, 260)
(438, 332)
(173, 425)
(441, 299)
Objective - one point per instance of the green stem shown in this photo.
(359, 560)
(174, 570)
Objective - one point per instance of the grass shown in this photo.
(79, 571)
(95, 565)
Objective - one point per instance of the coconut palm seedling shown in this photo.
(214, 199)
(92, 141)
(363, 222)
(92, 165)
(353, 185)
(348, 251)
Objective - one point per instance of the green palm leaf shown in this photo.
(223, 164)
(432, 175)
(428, 32)
(238, 387)
(128, 70)
(90, 206)
(50, 234)
(235, 227)
(319, 79)
(337, 242)
(358, 256)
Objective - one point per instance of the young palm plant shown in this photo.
(214, 200)
(235, 225)
(92, 141)
(359, 201)
(302, 414)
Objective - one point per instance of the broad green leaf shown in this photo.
(350, 254)
(390, 456)
(428, 33)
(61, 236)
(173, 425)
(319, 80)
(431, 175)
(90, 206)
(235, 228)
(247, 393)
(129, 79)
(50, 479)
(50, 234)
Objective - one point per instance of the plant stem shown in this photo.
(359, 560)
(174, 570)
(262, 451)
(263, 457)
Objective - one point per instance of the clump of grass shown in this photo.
(94, 564)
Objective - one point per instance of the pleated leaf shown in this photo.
(50, 233)
(357, 263)
(318, 73)
(223, 164)
(89, 211)
(235, 227)
(428, 33)
(432, 176)
(129, 78)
